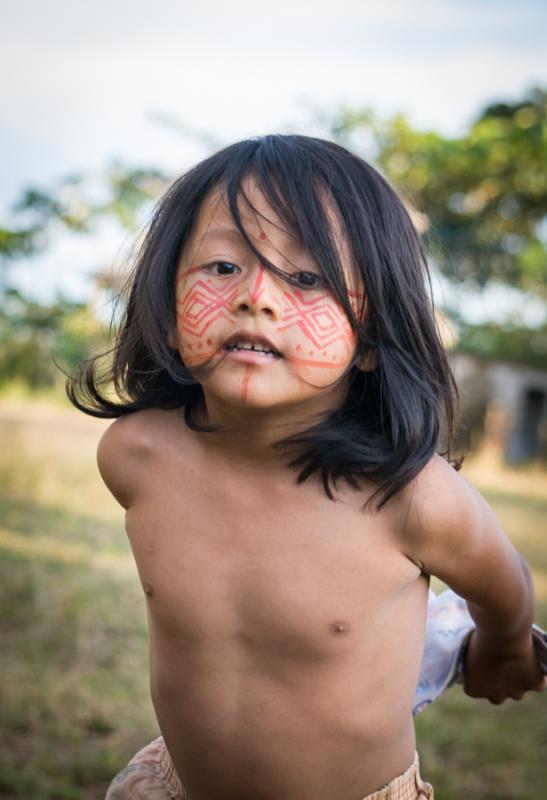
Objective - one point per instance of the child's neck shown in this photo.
(246, 436)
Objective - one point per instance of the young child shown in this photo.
(281, 395)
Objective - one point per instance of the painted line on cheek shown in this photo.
(256, 291)
(245, 385)
(194, 327)
(307, 362)
(189, 360)
(183, 273)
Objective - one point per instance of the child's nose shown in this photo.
(259, 293)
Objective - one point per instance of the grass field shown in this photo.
(74, 699)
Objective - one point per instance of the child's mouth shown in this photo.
(259, 349)
(248, 345)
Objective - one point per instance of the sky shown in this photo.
(86, 83)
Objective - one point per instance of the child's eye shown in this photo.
(223, 268)
(307, 280)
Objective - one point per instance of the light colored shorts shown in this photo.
(150, 775)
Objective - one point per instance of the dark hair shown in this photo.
(390, 424)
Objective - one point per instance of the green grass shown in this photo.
(74, 699)
(74, 694)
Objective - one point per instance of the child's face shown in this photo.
(227, 302)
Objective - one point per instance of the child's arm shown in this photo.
(448, 629)
(451, 532)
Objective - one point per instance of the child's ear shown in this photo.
(172, 340)
(368, 362)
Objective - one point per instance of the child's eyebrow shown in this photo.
(217, 233)
(221, 232)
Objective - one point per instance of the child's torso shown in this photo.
(286, 629)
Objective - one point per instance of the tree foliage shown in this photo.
(480, 198)
(77, 203)
(34, 337)
(484, 193)
(508, 342)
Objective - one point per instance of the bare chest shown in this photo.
(289, 571)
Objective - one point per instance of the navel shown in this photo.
(339, 626)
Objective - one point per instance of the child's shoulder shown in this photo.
(127, 446)
(439, 505)
(134, 432)
(439, 481)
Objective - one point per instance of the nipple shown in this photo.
(340, 626)
(148, 589)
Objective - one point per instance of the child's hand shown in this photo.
(496, 673)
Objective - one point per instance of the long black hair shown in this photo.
(395, 414)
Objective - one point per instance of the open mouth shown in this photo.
(251, 344)
(252, 348)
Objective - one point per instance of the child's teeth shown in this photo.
(257, 348)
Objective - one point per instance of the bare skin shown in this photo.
(268, 606)
(286, 630)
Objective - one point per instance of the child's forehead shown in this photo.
(259, 219)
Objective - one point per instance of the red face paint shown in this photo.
(307, 326)
(204, 304)
(256, 290)
(318, 320)
(311, 329)
(245, 385)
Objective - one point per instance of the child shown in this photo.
(282, 389)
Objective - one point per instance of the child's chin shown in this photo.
(257, 398)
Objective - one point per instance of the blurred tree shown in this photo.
(484, 194)
(479, 200)
(509, 342)
(17, 243)
(33, 336)
(76, 204)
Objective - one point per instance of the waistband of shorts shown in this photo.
(168, 773)
(406, 786)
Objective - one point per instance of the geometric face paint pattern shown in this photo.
(322, 326)
(206, 304)
(199, 309)
(315, 330)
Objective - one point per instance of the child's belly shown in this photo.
(283, 659)
(261, 715)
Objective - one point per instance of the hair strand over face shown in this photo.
(396, 414)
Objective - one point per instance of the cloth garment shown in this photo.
(448, 628)
(150, 775)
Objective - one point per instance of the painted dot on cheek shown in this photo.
(263, 236)
(209, 341)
